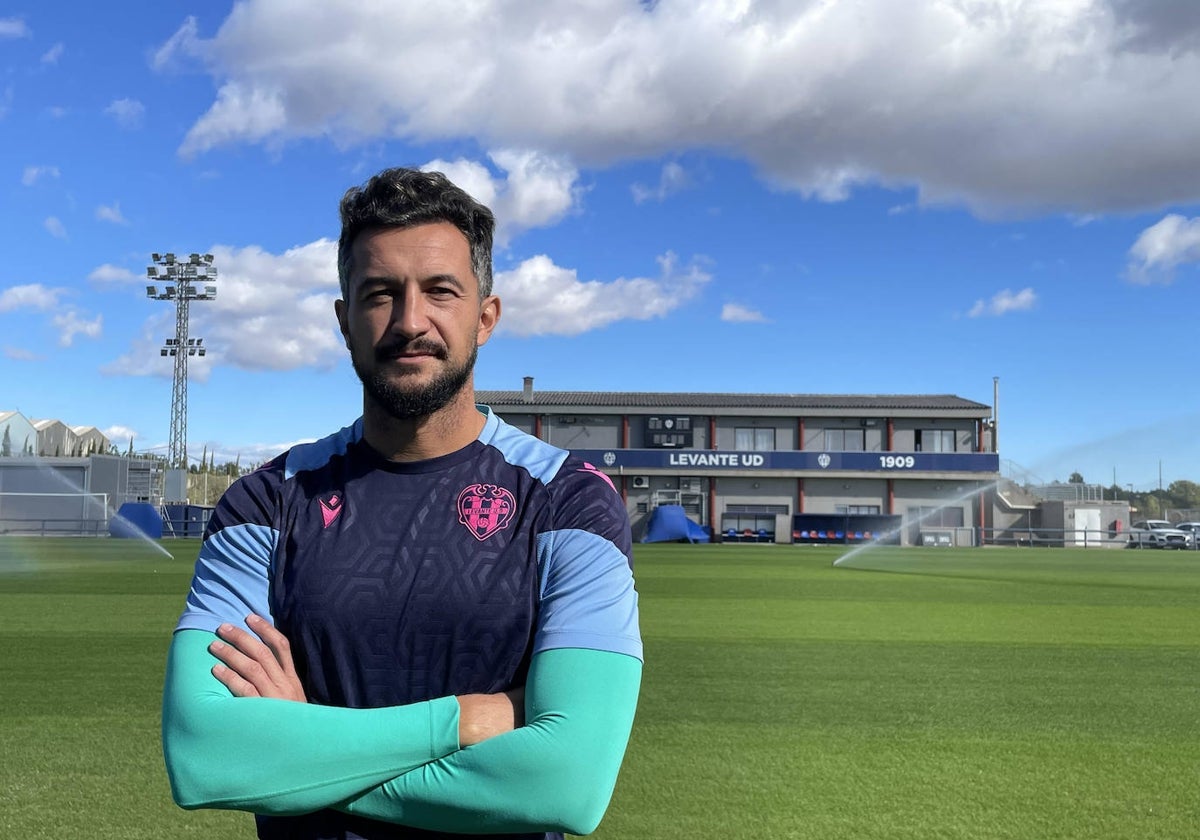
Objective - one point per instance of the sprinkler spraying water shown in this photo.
(884, 538)
(95, 505)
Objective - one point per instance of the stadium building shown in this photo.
(783, 468)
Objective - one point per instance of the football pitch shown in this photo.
(913, 693)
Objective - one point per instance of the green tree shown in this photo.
(6, 444)
(1184, 494)
(1076, 478)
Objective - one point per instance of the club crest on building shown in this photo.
(485, 509)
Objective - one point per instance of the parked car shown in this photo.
(1157, 533)
(1193, 531)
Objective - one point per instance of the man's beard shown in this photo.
(408, 404)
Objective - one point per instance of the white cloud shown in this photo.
(541, 298)
(120, 436)
(14, 28)
(272, 312)
(1003, 302)
(672, 179)
(20, 354)
(940, 95)
(536, 191)
(737, 314)
(109, 273)
(111, 214)
(55, 227)
(1161, 248)
(275, 311)
(183, 45)
(30, 296)
(52, 55)
(127, 112)
(32, 174)
(71, 323)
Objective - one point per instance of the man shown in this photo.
(425, 622)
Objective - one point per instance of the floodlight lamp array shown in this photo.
(193, 347)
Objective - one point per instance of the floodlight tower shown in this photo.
(183, 282)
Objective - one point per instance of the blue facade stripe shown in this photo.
(892, 463)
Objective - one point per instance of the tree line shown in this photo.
(1153, 504)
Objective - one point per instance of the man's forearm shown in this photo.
(556, 773)
(281, 757)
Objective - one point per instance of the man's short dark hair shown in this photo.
(401, 198)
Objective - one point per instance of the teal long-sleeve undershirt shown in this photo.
(555, 773)
(402, 764)
(278, 756)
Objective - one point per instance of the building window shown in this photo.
(937, 517)
(856, 510)
(669, 432)
(936, 440)
(752, 439)
(845, 440)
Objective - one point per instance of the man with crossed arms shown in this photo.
(425, 623)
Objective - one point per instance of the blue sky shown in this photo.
(802, 197)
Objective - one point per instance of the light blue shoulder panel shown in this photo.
(538, 458)
(231, 578)
(311, 456)
(588, 599)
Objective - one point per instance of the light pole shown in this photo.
(183, 282)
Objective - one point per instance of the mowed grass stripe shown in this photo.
(915, 694)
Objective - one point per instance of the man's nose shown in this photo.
(409, 314)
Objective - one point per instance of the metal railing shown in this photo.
(54, 527)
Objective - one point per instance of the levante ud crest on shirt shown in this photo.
(485, 509)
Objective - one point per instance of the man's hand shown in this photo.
(260, 665)
(481, 716)
(257, 665)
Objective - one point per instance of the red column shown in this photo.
(712, 508)
(799, 495)
(624, 431)
(799, 432)
(712, 483)
(537, 426)
(891, 491)
(891, 435)
(982, 517)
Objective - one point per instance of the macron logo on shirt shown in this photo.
(330, 508)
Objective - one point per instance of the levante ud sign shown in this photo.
(710, 460)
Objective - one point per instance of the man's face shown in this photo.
(413, 319)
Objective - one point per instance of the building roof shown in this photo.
(872, 403)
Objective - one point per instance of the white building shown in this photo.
(17, 435)
(781, 467)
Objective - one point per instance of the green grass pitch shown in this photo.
(913, 693)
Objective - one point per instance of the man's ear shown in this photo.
(489, 316)
(339, 309)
